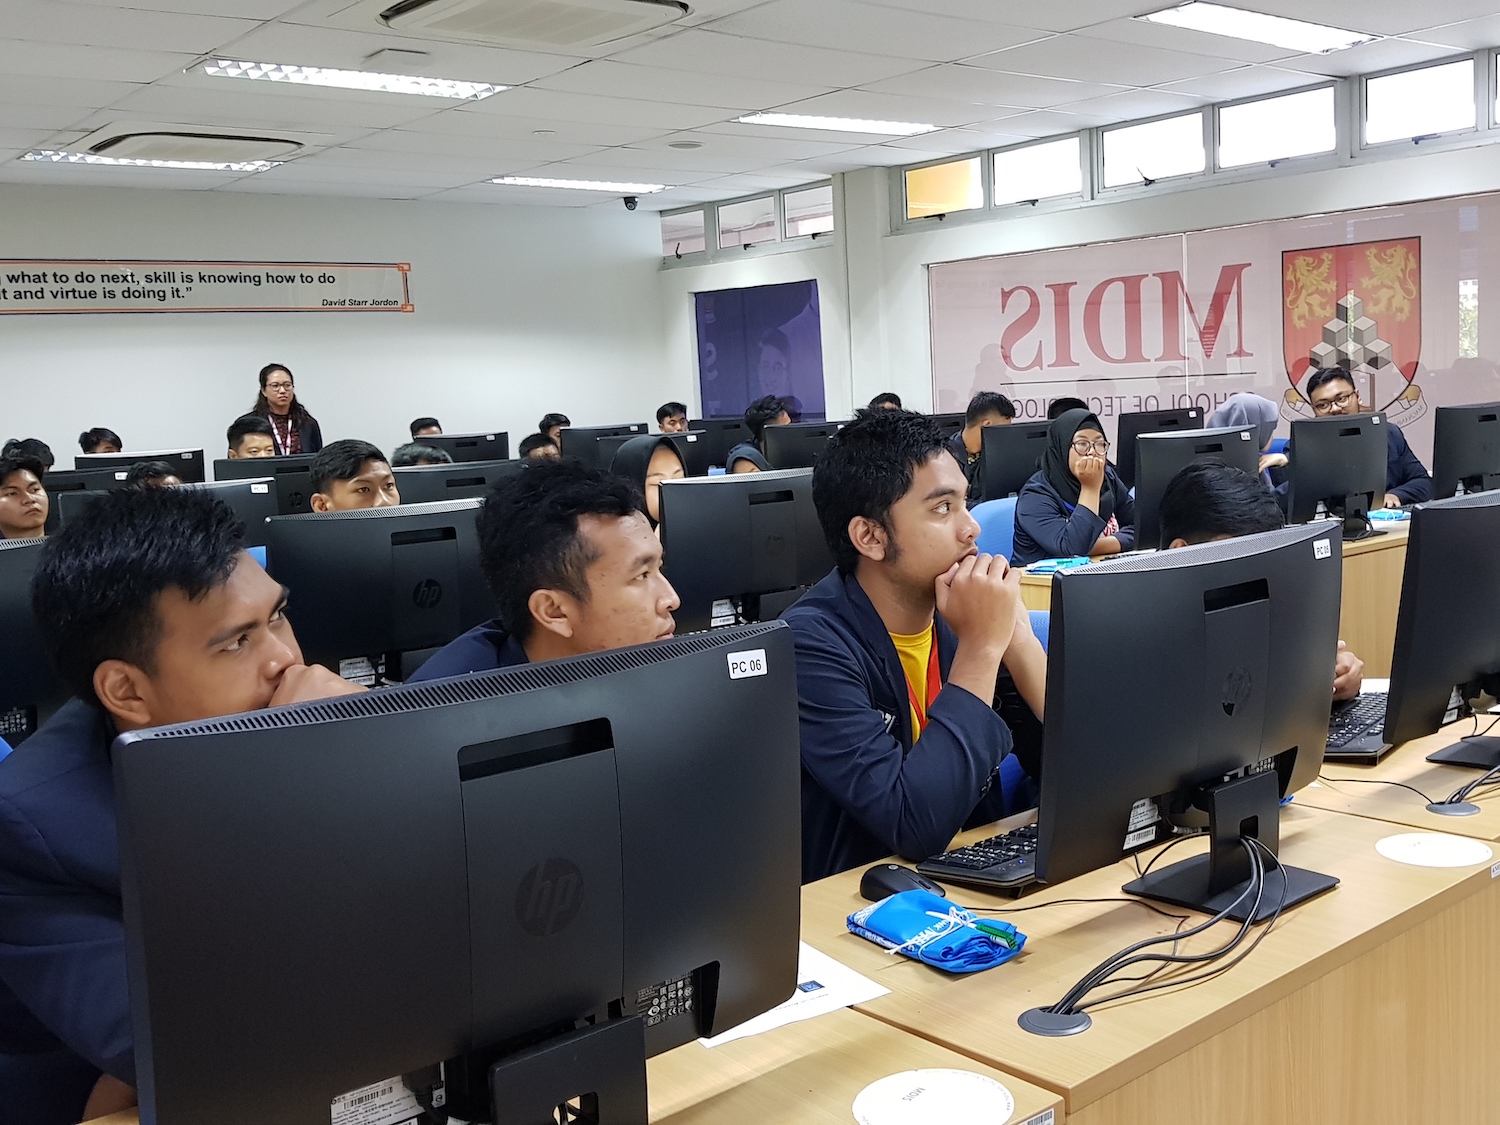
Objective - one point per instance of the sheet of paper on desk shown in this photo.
(823, 985)
(1374, 687)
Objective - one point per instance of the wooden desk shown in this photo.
(803, 1074)
(1377, 1003)
(1372, 593)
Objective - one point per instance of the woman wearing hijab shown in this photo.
(1075, 504)
(293, 429)
(646, 462)
(1246, 409)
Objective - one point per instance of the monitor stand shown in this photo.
(602, 1067)
(1477, 753)
(1247, 806)
(1355, 514)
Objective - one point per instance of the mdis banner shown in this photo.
(1391, 294)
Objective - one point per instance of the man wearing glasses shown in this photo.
(1331, 392)
(1074, 504)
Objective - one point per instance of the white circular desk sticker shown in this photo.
(934, 1097)
(1433, 849)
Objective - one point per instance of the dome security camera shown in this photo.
(631, 202)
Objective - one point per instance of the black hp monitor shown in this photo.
(252, 501)
(324, 897)
(1338, 469)
(1466, 449)
(376, 581)
(1011, 454)
(799, 445)
(692, 446)
(722, 435)
(582, 442)
(471, 447)
(29, 689)
(428, 484)
(753, 539)
(59, 481)
(1224, 652)
(1161, 456)
(951, 423)
(1133, 425)
(187, 464)
(292, 474)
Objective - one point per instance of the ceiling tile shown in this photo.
(509, 149)
(80, 93)
(500, 194)
(1245, 82)
(1369, 57)
(1051, 123)
(706, 52)
(872, 106)
(962, 82)
(266, 105)
(598, 168)
(241, 9)
(529, 102)
(1471, 34)
(1382, 17)
(1055, 15)
(1135, 104)
(950, 142)
(49, 118)
(348, 189)
(59, 60)
(466, 122)
(54, 21)
(326, 168)
(762, 147)
(1164, 37)
(658, 84)
(1097, 60)
(93, 175)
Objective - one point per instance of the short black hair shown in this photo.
(415, 453)
(245, 425)
(668, 409)
(145, 474)
(34, 448)
(423, 423)
(15, 462)
(1208, 500)
(865, 468)
(534, 442)
(95, 590)
(99, 435)
(764, 411)
(341, 460)
(988, 402)
(550, 420)
(528, 533)
(1061, 406)
(884, 399)
(1322, 376)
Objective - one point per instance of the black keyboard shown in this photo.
(1006, 862)
(1358, 723)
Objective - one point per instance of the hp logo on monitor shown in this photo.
(549, 897)
(427, 593)
(1237, 689)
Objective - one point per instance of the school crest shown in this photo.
(1356, 307)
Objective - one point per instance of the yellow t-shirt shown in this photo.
(915, 651)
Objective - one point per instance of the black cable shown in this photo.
(1332, 784)
(1464, 792)
(1062, 901)
(1475, 732)
(1185, 836)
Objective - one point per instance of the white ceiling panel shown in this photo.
(59, 60)
(954, 140)
(867, 105)
(1167, 38)
(348, 189)
(706, 52)
(597, 167)
(1054, 15)
(79, 93)
(1245, 82)
(992, 87)
(269, 104)
(1368, 57)
(523, 197)
(415, 167)
(705, 159)
(320, 170)
(657, 84)
(435, 145)
(766, 181)
(1097, 60)
(871, 28)
(1135, 104)
(528, 102)
(761, 146)
(1383, 17)
(236, 9)
(467, 123)
(1050, 123)
(41, 117)
(55, 21)
(28, 172)
(1470, 35)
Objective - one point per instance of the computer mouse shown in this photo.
(886, 879)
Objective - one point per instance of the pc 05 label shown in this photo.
(743, 665)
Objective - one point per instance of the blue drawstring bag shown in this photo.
(924, 927)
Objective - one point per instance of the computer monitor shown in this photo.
(582, 442)
(29, 688)
(1466, 449)
(292, 474)
(59, 481)
(1011, 454)
(692, 447)
(187, 464)
(1132, 425)
(951, 423)
(322, 897)
(1161, 456)
(1338, 467)
(1220, 660)
(722, 435)
(471, 447)
(799, 445)
(754, 538)
(376, 581)
(428, 484)
(252, 501)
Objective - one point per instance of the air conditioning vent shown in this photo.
(207, 147)
(532, 23)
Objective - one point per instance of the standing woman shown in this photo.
(1075, 504)
(293, 429)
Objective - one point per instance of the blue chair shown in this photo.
(1041, 625)
(4, 749)
(1278, 445)
(997, 526)
(1021, 792)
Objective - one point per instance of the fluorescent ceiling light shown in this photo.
(352, 79)
(52, 157)
(1296, 35)
(837, 124)
(579, 185)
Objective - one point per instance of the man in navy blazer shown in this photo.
(1331, 392)
(154, 614)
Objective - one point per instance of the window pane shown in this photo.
(808, 211)
(1292, 125)
(944, 188)
(1153, 151)
(682, 234)
(744, 224)
(1437, 99)
(1038, 171)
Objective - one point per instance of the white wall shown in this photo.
(518, 311)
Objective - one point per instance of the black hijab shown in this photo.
(1055, 459)
(633, 458)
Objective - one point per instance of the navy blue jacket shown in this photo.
(63, 989)
(1047, 527)
(1405, 476)
(973, 470)
(867, 791)
(746, 451)
(482, 649)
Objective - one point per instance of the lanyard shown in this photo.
(934, 685)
